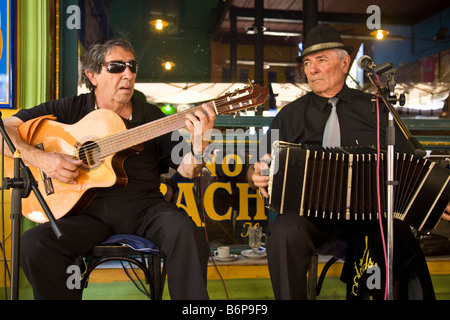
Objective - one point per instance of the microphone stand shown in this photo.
(390, 142)
(21, 184)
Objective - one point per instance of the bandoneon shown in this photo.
(341, 183)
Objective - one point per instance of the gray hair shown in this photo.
(341, 53)
(94, 57)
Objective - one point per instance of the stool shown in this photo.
(132, 249)
(337, 249)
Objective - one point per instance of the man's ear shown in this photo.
(92, 76)
(346, 64)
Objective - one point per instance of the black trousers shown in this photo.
(45, 259)
(292, 241)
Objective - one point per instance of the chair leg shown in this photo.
(163, 276)
(158, 277)
(312, 277)
(324, 273)
(136, 262)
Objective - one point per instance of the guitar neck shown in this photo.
(132, 137)
(233, 102)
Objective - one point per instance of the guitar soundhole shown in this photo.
(90, 153)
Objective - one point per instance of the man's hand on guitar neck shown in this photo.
(200, 125)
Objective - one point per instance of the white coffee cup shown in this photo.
(222, 252)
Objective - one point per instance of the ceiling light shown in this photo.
(252, 29)
(266, 64)
(159, 24)
(168, 65)
(379, 34)
(267, 32)
(283, 33)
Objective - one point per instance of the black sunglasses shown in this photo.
(120, 66)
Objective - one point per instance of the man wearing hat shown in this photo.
(331, 114)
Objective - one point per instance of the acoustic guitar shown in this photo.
(103, 141)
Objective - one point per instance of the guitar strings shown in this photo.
(114, 139)
(159, 125)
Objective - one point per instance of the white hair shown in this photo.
(341, 53)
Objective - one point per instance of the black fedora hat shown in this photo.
(323, 37)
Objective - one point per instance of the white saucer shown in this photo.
(250, 255)
(231, 257)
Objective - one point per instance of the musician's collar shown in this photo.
(345, 94)
(320, 102)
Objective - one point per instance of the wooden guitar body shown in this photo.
(53, 136)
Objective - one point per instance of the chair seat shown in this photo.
(133, 249)
(134, 242)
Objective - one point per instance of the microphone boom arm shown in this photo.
(417, 147)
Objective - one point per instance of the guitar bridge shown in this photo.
(48, 184)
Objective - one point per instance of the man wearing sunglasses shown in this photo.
(137, 208)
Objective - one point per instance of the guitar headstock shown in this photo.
(251, 96)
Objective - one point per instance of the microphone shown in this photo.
(366, 63)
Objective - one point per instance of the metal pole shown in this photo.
(233, 46)
(16, 216)
(390, 138)
(259, 42)
(310, 14)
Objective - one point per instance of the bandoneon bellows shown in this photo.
(341, 183)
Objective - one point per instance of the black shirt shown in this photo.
(303, 120)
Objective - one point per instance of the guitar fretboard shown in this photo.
(132, 137)
(242, 99)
